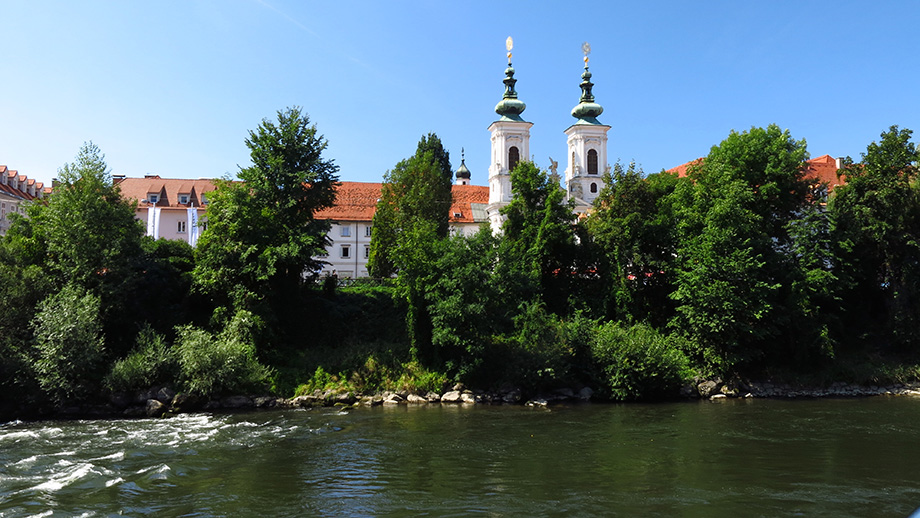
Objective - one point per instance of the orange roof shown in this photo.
(354, 201)
(681, 170)
(463, 198)
(822, 169)
(357, 201)
(168, 190)
(24, 185)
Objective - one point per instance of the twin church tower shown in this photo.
(587, 146)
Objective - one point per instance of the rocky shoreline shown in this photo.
(163, 401)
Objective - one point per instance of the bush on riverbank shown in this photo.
(638, 362)
(151, 362)
(223, 363)
(69, 344)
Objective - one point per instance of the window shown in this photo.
(204, 199)
(367, 252)
(183, 199)
(153, 198)
(346, 230)
(514, 156)
(346, 251)
(367, 231)
(593, 188)
(592, 162)
(181, 228)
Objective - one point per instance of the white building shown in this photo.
(353, 214)
(172, 208)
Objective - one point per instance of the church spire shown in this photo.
(463, 173)
(510, 107)
(587, 110)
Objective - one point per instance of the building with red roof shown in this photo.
(15, 191)
(171, 207)
(822, 169)
(352, 219)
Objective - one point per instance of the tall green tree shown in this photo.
(877, 216)
(411, 219)
(736, 268)
(538, 250)
(262, 236)
(463, 302)
(632, 230)
(86, 234)
(417, 189)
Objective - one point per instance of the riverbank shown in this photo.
(162, 401)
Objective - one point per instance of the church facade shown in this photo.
(510, 136)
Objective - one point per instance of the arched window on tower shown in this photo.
(514, 156)
(592, 161)
(593, 188)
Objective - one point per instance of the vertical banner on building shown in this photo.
(153, 222)
(192, 226)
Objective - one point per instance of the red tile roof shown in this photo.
(357, 201)
(681, 170)
(822, 169)
(168, 190)
(25, 186)
(354, 201)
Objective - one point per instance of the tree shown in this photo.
(877, 223)
(736, 262)
(262, 236)
(411, 219)
(86, 234)
(632, 229)
(69, 343)
(537, 250)
(463, 302)
(417, 189)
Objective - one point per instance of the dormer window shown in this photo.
(153, 198)
(514, 156)
(592, 161)
(204, 199)
(183, 199)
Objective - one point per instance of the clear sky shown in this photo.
(173, 87)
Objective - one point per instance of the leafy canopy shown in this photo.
(261, 235)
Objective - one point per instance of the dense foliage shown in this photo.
(745, 267)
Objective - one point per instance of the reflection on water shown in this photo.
(729, 458)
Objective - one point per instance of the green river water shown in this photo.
(731, 458)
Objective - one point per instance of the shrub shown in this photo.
(212, 365)
(541, 354)
(151, 362)
(638, 362)
(69, 343)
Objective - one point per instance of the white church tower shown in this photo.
(587, 142)
(510, 144)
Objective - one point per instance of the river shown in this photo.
(732, 458)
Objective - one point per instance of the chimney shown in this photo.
(839, 162)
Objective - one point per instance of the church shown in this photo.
(474, 205)
(586, 139)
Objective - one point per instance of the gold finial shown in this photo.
(586, 48)
(509, 44)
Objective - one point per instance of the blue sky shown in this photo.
(172, 87)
